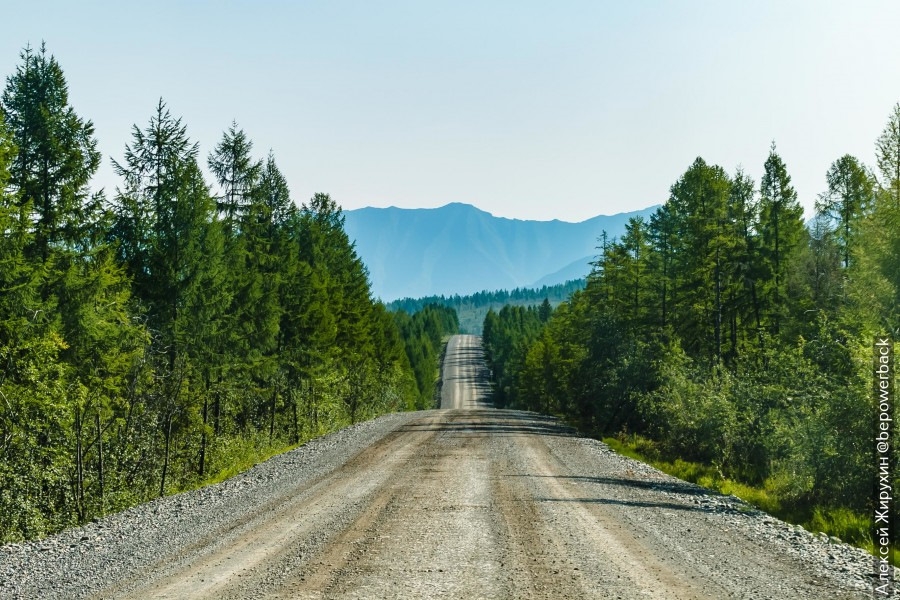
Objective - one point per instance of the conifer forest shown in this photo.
(171, 331)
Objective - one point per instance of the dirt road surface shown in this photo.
(474, 502)
(465, 379)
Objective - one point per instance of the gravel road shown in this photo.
(463, 502)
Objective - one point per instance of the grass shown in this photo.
(245, 460)
(241, 454)
(850, 526)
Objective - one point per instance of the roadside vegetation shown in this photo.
(729, 342)
(173, 331)
(425, 333)
(847, 524)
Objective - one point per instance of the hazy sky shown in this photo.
(535, 110)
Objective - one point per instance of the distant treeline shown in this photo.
(423, 333)
(171, 332)
(728, 332)
(473, 308)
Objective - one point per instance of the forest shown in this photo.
(730, 340)
(472, 309)
(173, 331)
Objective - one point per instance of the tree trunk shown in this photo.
(165, 468)
(79, 467)
(296, 439)
(315, 407)
(216, 410)
(777, 306)
(756, 313)
(100, 461)
(202, 468)
(733, 324)
(718, 306)
(272, 412)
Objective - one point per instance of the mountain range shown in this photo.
(460, 249)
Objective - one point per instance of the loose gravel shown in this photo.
(545, 486)
(80, 562)
(471, 502)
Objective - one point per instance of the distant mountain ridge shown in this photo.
(460, 249)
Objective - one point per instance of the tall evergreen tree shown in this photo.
(886, 216)
(699, 202)
(57, 151)
(636, 245)
(887, 156)
(178, 266)
(147, 342)
(32, 403)
(151, 170)
(237, 173)
(780, 229)
(743, 213)
(663, 234)
(848, 199)
(253, 324)
(88, 290)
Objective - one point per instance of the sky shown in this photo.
(526, 109)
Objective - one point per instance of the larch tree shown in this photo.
(887, 156)
(849, 198)
(887, 210)
(699, 201)
(663, 233)
(743, 214)
(780, 231)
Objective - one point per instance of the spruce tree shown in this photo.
(57, 151)
(237, 173)
(32, 410)
(177, 266)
